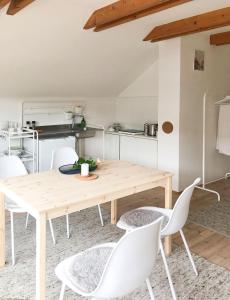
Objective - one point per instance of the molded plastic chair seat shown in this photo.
(82, 272)
(143, 216)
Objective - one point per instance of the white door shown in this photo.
(142, 151)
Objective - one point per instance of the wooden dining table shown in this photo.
(50, 194)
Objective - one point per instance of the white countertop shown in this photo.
(139, 136)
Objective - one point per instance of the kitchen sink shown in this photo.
(56, 131)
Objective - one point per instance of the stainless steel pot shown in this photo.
(152, 129)
(146, 128)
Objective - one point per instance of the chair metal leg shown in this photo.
(150, 289)
(27, 219)
(67, 227)
(167, 272)
(100, 214)
(188, 251)
(52, 231)
(12, 237)
(61, 297)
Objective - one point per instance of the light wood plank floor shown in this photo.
(205, 242)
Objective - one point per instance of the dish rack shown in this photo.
(15, 146)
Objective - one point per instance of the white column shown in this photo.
(169, 106)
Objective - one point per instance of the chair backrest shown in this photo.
(11, 166)
(63, 156)
(131, 262)
(180, 210)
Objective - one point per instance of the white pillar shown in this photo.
(169, 106)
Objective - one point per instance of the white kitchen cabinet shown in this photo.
(47, 146)
(112, 146)
(139, 150)
(93, 147)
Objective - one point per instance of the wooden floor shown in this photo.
(205, 242)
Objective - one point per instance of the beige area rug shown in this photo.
(18, 282)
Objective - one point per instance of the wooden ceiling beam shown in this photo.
(127, 10)
(4, 3)
(17, 5)
(199, 23)
(91, 22)
(141, 14)
(121, 9)
(219, 39)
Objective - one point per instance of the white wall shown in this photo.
(219, 88)
(146, 84)
(142, 96)
(133, 112)
(215, 81)
(169, 107)
(98, 110)
(181, 91)
(193, 86)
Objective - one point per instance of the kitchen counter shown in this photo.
(58, 131)
(141, 136)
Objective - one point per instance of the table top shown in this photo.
(56, 194)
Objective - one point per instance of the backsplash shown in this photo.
(133, 112)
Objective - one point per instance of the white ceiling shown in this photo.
(45, 52)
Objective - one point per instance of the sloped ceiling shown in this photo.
(45, 52)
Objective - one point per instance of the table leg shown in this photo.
(2, 230)
(114, 212)
(41, 257)
(168, 204)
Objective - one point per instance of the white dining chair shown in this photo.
(174, 221)
(113, 270)
(11, 166)
(64, 156)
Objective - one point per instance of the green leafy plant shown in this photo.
(92, 163)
